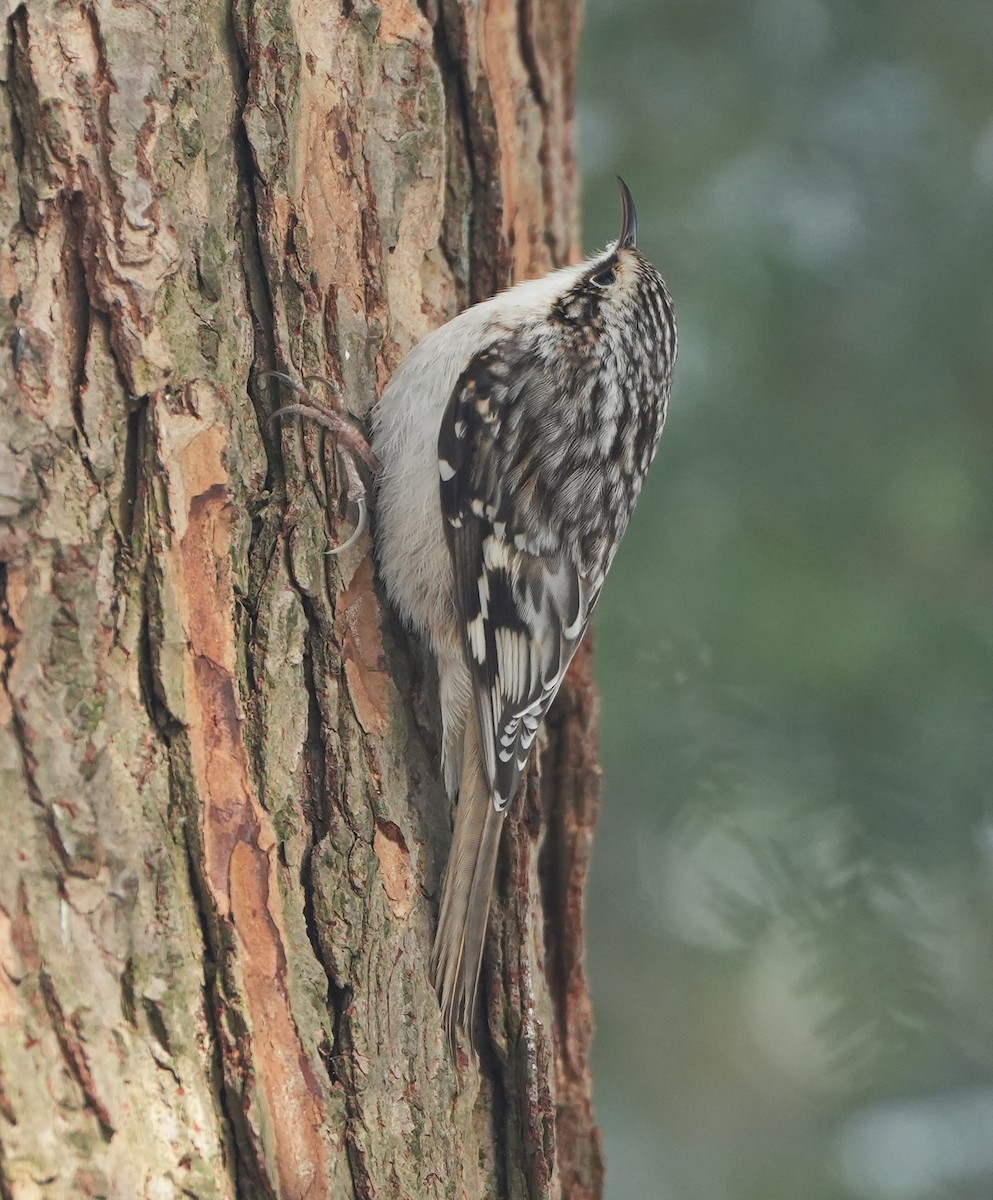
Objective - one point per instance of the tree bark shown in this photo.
(218, 750)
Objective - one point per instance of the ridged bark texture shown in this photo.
(218, 753)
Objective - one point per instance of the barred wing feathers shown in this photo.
(522, 602)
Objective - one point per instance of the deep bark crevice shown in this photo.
(15, 28)
(459, 220)
(235, 1149)
(319, 824)
(20, 88)
(525, 13)
(77, 306)
(134, 436)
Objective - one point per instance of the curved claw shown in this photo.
(328, 383)
(317, 415)
(295, 384)
(358, 531)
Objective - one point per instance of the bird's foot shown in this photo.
(349, 441)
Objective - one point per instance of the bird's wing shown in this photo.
(522, 599)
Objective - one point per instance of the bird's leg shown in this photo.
(349, 442)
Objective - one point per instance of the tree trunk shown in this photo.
(218, 750)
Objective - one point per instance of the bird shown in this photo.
(511, 445)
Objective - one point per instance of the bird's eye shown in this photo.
(604, 277)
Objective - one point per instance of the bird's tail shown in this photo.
(465, 898)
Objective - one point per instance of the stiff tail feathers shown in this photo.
(457, 955)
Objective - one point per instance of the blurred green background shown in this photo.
(791, 911)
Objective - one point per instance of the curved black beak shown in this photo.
(628, 238)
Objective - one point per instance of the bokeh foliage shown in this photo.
(792, 909)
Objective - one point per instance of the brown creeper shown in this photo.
(514, 441)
